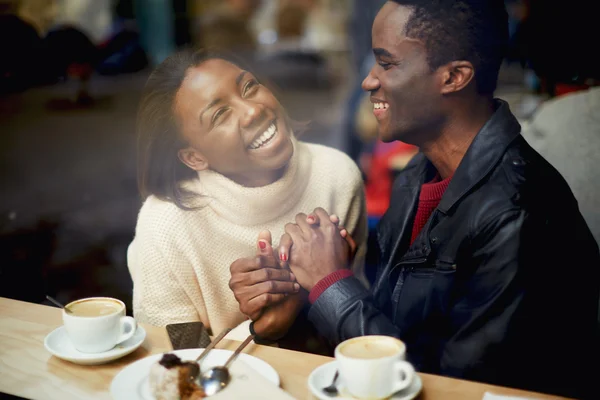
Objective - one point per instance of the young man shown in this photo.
(488, 271)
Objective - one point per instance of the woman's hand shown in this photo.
(259, 282)
(277, 319)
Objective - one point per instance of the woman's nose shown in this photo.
(252, 113)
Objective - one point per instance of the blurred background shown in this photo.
(71, 75)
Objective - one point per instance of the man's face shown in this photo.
(404, 91)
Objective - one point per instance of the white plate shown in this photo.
(132, 382)
(322, 376)
(58, 343)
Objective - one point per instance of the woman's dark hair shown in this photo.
(471, 30)
(160, 172)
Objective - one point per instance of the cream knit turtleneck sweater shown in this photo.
(179, 260)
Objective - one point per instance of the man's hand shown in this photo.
(259, 282)
(285, 243)
(317, 249)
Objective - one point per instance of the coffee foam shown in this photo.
(94, 307)
(370, 348)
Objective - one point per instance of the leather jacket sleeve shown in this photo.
(482, 332)
(346, 309)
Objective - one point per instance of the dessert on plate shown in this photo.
(170, 379)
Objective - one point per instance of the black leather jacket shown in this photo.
(501, 285)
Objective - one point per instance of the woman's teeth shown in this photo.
(264, 138)
(380, 106)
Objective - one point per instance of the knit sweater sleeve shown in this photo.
(356, 221)
(339, 175)
(165, 288)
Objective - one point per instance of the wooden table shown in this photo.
(28, 370)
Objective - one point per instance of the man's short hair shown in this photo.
(471, 30)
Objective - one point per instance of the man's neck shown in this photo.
(447, 150)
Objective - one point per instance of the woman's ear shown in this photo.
(193, 159)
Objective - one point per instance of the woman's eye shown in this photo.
(249, 87)
(218, 114)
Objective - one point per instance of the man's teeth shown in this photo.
(265, 137)
(380, 106)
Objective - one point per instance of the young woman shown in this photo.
(218, 164)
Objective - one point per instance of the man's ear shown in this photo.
(456, 75)
(193, 159)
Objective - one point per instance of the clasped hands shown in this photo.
(272, 287)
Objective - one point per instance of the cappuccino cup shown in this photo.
(373, 367)
(97, 324)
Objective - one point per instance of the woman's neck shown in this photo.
(263, 178)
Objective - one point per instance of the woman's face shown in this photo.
(232, 124)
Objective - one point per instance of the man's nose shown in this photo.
(370, 83)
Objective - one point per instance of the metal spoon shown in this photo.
(57, 303)
(215, 379)
(196, 372)
(332, 390)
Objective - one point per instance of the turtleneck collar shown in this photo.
(254, 205)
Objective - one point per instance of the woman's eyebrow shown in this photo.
(240, 77)
(208, 107)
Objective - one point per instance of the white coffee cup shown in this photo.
(373, 367)
(97, 324)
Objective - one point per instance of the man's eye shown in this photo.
(384, 65)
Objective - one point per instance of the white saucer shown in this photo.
(322, 376)
(132, 382)
(57, 343)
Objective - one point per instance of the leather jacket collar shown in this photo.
(483, 155)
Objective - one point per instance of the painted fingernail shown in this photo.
(311, 219)
(296, 287)
(262, 244)
(282, 256)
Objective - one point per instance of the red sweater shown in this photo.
(429, 198)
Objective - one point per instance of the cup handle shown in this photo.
(124, 333)
(405, 373)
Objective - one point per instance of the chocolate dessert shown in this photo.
(171, 379)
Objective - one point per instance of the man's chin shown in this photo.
(385, 135)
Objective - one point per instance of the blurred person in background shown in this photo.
(566, 131)
(155, 19)
(559, 41)
(71, 54)
(220, 170)
(60, 35)
(488, 271)
(225, 24)
(292, 16)
(23, 25)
